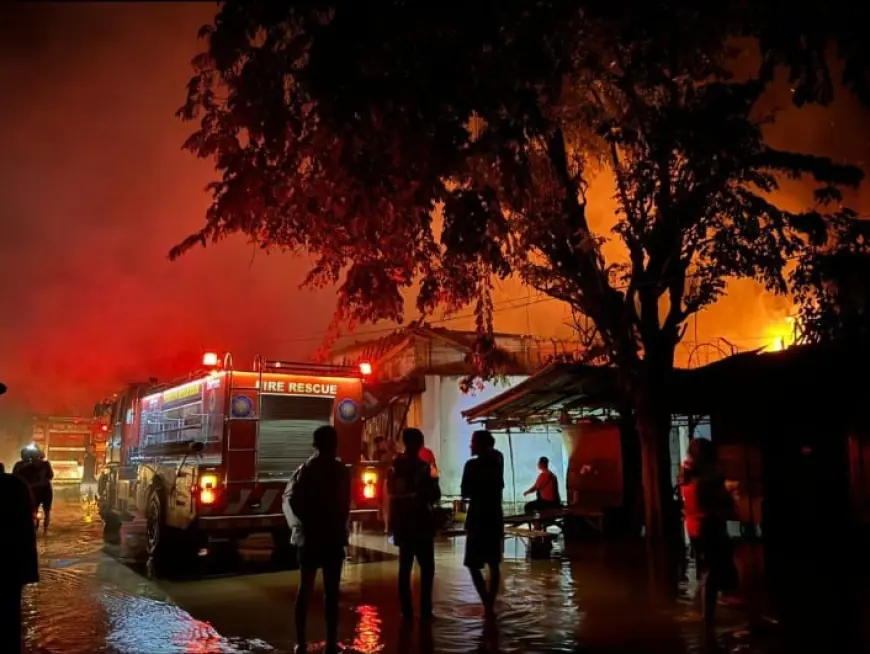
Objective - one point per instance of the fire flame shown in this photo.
(780, 335)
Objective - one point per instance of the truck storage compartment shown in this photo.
(286, 433)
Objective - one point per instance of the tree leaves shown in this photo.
(345, 130)
(832, 285)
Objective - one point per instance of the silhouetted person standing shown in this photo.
(413, 491)
(19, 565)
(482, 486)
(318, 497)
(38, 474)
(88, 485)
(708, 506)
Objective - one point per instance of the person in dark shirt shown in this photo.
(413, 491)
(37, 473)
(43, 494)
(88, 485)
(19, 565)
(317, 502)
(482, 486)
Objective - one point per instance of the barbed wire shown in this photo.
(499, 307)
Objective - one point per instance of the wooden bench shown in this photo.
(529, 533)
(534, 529)
(556, 517)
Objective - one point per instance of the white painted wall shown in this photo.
(448, 435)
(528, 447)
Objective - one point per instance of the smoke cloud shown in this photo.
(95, 189)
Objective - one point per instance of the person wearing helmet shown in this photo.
(37, 473)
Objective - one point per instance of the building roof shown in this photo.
(376, 347)
(824, 376)
(556, 387)
(831, 375)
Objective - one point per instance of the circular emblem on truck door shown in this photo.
(348, 410)
(242, 407)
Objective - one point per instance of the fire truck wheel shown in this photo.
(155, 530)
(111, 528)
(168, 548)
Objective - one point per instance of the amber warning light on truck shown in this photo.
(208, 489)
(370, 484)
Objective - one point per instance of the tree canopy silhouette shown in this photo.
(400, 143)
(832, 287)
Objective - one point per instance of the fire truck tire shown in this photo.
(168, 548)
(111, 528)
(156, 530)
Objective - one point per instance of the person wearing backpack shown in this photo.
(546, 488)
(413, 492)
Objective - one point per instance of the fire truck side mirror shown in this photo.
(196, 447)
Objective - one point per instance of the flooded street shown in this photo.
(92, 600)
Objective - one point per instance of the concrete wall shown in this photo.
(449, 437)
(528, 447)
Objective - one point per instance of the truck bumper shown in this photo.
(234, 525)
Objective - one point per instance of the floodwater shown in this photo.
(90, 599)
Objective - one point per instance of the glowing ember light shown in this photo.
(365, 368)
(210, 359)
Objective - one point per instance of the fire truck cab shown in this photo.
(208, 458)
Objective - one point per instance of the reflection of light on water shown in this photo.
(139, 624)
(367, 636)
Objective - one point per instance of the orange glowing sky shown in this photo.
(95, 190)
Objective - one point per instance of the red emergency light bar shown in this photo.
(320, 369)
(213, 362)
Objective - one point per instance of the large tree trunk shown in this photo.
(662, 520)
(632, 515)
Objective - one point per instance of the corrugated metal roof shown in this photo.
(558, 386)
(830, 375)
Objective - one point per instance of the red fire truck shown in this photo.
(63, 440)
(208, 458)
